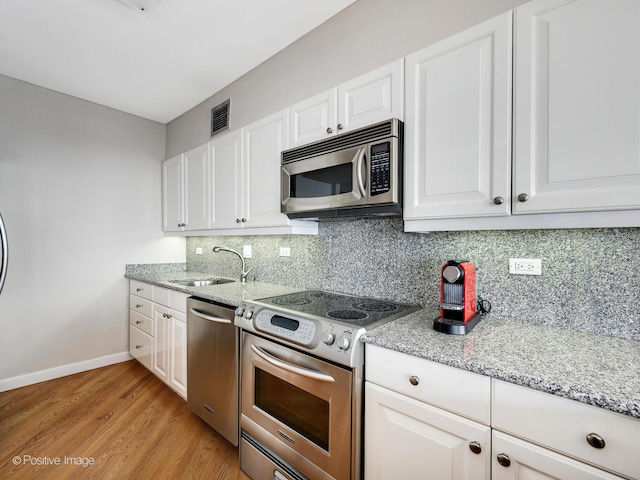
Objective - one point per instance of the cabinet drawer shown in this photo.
(140, 289)
(452, 389)
(140, 305)
(142, 322)
(161, 295)
(140, 346)
(178, 301)
(563, 425)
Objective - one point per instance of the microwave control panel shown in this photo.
(380, 172)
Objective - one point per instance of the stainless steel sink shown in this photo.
(202, 282)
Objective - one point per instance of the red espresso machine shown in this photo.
(458, 302)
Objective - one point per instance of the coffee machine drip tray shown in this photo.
(456, 327)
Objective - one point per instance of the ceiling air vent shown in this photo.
(220, 118)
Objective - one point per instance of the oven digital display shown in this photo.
(284, 322)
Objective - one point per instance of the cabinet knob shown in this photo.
(138, 322)
(475, 447)
(139, 289)
(523, 197)
(138, 305)
(414, 380)
(595, 440)
(238, 220)
(138, 347)
(329, 130)
(244, 220)
(503, 459)
(498, 200)
(340, 127)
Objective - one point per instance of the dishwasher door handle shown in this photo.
(198, 313)
(289, 367)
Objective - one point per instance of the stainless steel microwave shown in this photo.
(358, 173)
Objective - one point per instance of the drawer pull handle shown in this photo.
(138, 322)
(475, 447)
(595, 440)
(139, 305)
(503, 459)
(414, 380)
(138, 347)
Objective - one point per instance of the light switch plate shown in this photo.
(246, 251)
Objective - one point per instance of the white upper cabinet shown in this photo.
(172, 195)
(186, 202)
(577, 106)
(197, 191)
(373, 97)
(263, 142)
(458, 128)
(226, 155)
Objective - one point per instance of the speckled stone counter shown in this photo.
(228, 293)
(593, 369)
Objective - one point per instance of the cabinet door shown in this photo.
(520, 460)
(458, 130)
(577, 106)
(405, 438)
(161, 342)
(264, 141)
(197, 188)
(172, 195)
(226, 154)
(178, 353)
(371, 98)
(314, 118)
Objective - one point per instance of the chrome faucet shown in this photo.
(243, 275)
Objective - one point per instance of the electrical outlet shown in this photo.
(246, 251)
(285, 252)
(525, 266)
(198, 250)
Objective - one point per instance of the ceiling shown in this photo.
(154, 65)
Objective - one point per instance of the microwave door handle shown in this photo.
(361, 154)
(289, 367)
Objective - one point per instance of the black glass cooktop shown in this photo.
(361, 311)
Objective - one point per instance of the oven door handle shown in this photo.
(208, 317)
(305, 372)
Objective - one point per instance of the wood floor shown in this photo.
(120, 421)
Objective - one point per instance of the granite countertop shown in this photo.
(592, 369)
(231, 294)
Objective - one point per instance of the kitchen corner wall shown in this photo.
(589, 282)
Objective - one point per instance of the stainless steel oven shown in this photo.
(301, 373)
(298, 407)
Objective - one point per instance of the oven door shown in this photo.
(331, 180)
(299, 406)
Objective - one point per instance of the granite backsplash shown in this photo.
(589, 281)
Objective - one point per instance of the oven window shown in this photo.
(325, 182)
(305, 413)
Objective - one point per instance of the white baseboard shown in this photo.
(62, 371)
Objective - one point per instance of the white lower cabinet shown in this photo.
(515, 459)
(424, 420)
(409, 439)
(407, 433)
(158, 339)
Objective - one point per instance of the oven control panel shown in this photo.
(333, 341)
(301, 330)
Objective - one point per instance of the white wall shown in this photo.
(80, 193)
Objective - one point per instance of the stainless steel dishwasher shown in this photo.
(212, 366)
